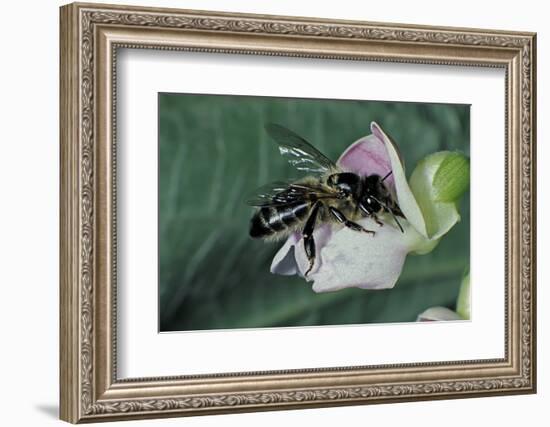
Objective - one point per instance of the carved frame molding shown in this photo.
(90, 37)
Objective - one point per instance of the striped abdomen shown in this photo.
(268, 221)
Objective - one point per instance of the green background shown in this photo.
(214, 152)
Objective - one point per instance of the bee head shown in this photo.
(369, 201)
(369, 205)
(346, 183)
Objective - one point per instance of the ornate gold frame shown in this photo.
(90, 36)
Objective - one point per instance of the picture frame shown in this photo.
(91, 36)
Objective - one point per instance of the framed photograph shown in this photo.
(266, 212)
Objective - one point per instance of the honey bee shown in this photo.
(329, 194)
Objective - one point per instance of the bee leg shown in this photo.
(380, 223)
(341, 218)
(307, 233)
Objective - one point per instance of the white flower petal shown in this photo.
(284, 261)
(437, 314)
(355, 259)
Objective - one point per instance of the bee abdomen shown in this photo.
(271, 220)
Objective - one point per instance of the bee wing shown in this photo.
(281, 193)
(266, 194)
(300, 153)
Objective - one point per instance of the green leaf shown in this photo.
(445, 168)
(452, 178)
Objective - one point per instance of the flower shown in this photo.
(433, 314)
(443, 313)
(346, 258)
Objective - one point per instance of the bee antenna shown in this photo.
(388, 174)
(391, 212)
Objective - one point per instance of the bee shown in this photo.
(328, 195)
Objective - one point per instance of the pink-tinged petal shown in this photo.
(434, 314)
(378, 154)
(367, 156)
(284, 261)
